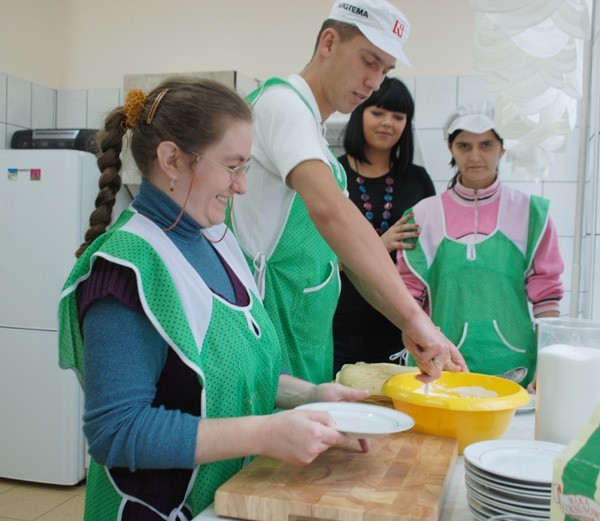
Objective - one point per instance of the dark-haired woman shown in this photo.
(487, 253)
(161, 319)
(382, 182)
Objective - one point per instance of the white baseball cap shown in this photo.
(472, 117)
(384, 25)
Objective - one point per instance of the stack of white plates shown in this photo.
(510, 477)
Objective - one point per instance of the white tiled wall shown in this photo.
(43, 107)
(85, 108)
(435, 97)
(18, 96)
(593, 182)
(99, 103)
(25, 105)
(595, 299)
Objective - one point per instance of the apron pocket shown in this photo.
(487, 350)
(486, 333)
(332, 273)
(314, 309)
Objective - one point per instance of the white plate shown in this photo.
(510, 517)
(488, 512)
(512, 484)
(528, 407)
(477, 515)
(482, 509)
(509, 487)
(524, 460)
(499, 492)
(494, 499)
(363, 420)
(506, 507)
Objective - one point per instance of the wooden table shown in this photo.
(455, 505)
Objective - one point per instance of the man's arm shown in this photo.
(363, 254)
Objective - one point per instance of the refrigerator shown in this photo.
(46, 197)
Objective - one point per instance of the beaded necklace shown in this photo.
(368, 206)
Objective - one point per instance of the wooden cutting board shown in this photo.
(403, 477)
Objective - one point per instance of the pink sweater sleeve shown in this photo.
(414, 285)
(543, 283)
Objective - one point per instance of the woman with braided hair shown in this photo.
(160, 318)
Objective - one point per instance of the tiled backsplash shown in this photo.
(25, 105)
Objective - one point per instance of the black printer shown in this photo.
(74, 139)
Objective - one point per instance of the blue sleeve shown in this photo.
(124, 357)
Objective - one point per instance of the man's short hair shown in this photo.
(346, 31)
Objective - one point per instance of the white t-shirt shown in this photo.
(285, 135)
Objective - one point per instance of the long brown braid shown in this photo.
(193, 113)
(110, 142)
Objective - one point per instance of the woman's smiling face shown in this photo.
(382, 128)
(214, 185)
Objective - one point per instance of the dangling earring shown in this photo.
(172, 186)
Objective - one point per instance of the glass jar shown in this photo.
(568, 377)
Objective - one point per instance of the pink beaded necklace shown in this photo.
(368, 206)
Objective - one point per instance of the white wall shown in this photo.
(29, 47)
(82, 44)
(75, 77)
(592, 215)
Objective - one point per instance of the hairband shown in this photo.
(132, 108)
(159, 97)
(134, 104)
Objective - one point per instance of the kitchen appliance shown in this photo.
(404, 476)
(73, 139)
(46, 197)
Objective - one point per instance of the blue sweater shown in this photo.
(124, 357)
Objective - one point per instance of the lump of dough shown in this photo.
(370, 376)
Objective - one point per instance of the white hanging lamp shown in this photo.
(532, 53)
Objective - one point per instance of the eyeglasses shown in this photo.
(234, 172)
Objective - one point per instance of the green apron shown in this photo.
(301, 283)
(477, 291)
(234, 350)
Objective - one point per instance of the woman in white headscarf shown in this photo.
(485, 253)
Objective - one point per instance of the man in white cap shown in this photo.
(295, 223)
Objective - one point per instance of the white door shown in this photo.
(43, 195)
(41, 437)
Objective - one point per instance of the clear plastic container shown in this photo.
(568, 377)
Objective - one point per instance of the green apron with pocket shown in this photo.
(301, 283)
(477, 291)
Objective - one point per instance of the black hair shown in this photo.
(392, 95)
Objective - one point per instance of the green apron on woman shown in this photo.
(233, 349)
(477, 290)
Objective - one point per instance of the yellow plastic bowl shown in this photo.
(457, 405)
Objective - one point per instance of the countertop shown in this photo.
(455, 505)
